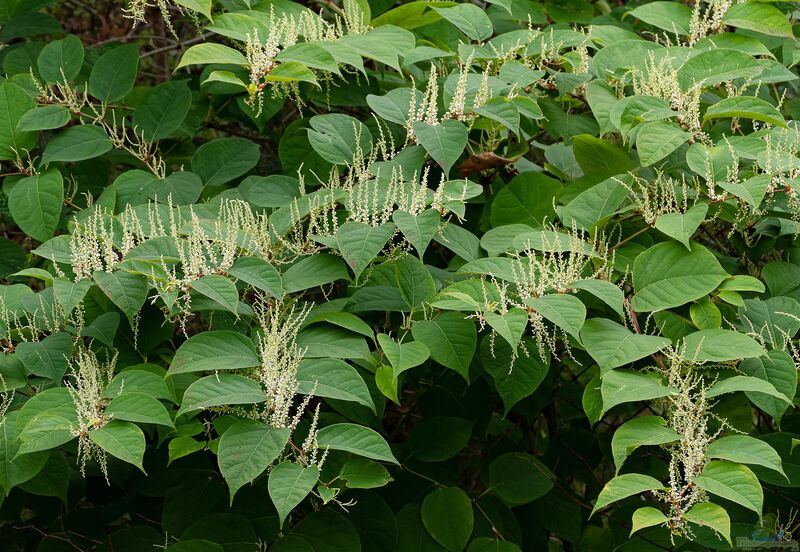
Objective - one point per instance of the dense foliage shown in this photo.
(412, 276)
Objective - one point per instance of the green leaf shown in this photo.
(470, 19)
(514, 378)
(777, 368)
(202, 54)
(139, 381)
(383, 44)
(214, 350)
(258, 273)
(744, 449)
(598, 156)
(103, 328)
(623, 486)
(334, 379)
(747, 384)
(733, 482)
(314, 271)
(122, 440)
(439, 438)
(289, 484)
(220, 390)
(14, 103)
(721, 345)
(710, 515)
(356, 439)
(61, 60)
(500, 109)
(394, 106)
(775, 320)
(510, 325)
(622, 386)
(127, 291)
(665, 276)
(48, 430)
(76, 144)
(54, 398)
(362, 473)
(451, 338)
(527, 199)
(518, 478)
(47, 358)
(52, 480)
(751, 190)
(183, 446)
(460, 241)
(15, 470)
(705, 315)
(35, 203)
(565, 311)
(612, 345)
(414, 281)
(292, 71)
(309, 54)
(360, 243)
(343, 320)
(337, 138)
(200, 6)
(682, 226)
(323, 341)
(47, 117)
(70, 294)
(444, 142)
(645, 517)
(606, 291)
(247, 449)
(746, 107)
(418, 229)
(163, 110)
(133, 406)
(386, 382)
(221, 160)
(638, 432)
(225, 77)
(596, 204)
(219, 289)
(760, 17)
(713, 67)
(447, 515)
(657, 139)
(114, 73)
(411, 15)
(667, 16)
(403, 356)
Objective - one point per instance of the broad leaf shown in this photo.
(447, 515)
(451, 339)
(621, 386)
(122, 440)
(612, 345)
(289, 484)
(640, 431)
(357, 439)
(214, 350)
(623, 486)
(220, 390)
(247, 449)
(665, 276)
(35, 203)
(733, 482)
(444, 142)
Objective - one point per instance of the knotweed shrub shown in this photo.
(367, 275)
